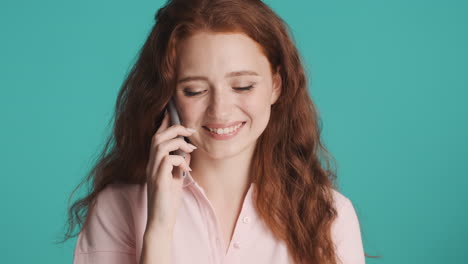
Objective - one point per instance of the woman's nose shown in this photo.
(220, 105)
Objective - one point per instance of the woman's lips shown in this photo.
(224, 136)
(219, 125)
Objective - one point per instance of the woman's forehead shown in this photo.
(221, 53)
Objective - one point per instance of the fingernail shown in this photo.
(190, 169)
(191, 130)
(192, 146)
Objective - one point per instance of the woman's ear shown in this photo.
(276, 85)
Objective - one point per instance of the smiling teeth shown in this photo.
(227, 130)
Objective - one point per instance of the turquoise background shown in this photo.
(390, 79)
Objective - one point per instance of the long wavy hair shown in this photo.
(291, 166)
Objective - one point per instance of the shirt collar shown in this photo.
(188, 180)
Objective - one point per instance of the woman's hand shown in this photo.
(164, 174)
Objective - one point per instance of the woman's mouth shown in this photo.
(224, 133)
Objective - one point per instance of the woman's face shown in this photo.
(224, 81)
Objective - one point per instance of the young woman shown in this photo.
(255, 189)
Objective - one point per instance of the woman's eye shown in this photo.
(188, 93)
(246, 88)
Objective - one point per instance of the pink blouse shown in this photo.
(115, 231)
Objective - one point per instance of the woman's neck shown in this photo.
(224, 181)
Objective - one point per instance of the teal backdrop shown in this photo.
(389, 77)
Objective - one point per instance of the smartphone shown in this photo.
(175, 120)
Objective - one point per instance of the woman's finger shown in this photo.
(167, 165)
(166, 147)
(164, 123)
(172, 132)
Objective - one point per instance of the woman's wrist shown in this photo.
(154, 230)
(157, 242)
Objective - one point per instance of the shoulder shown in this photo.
(120, 203)
(120, 194)
(340, 200)
(346, 220)
(115, 200)
(121, 190)
(110, 222)
(346, 231)
(344, 207)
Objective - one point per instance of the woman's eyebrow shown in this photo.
(192, 78)
(239, 73)
(230, 74)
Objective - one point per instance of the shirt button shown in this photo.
(246, 220)
(236, 245)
